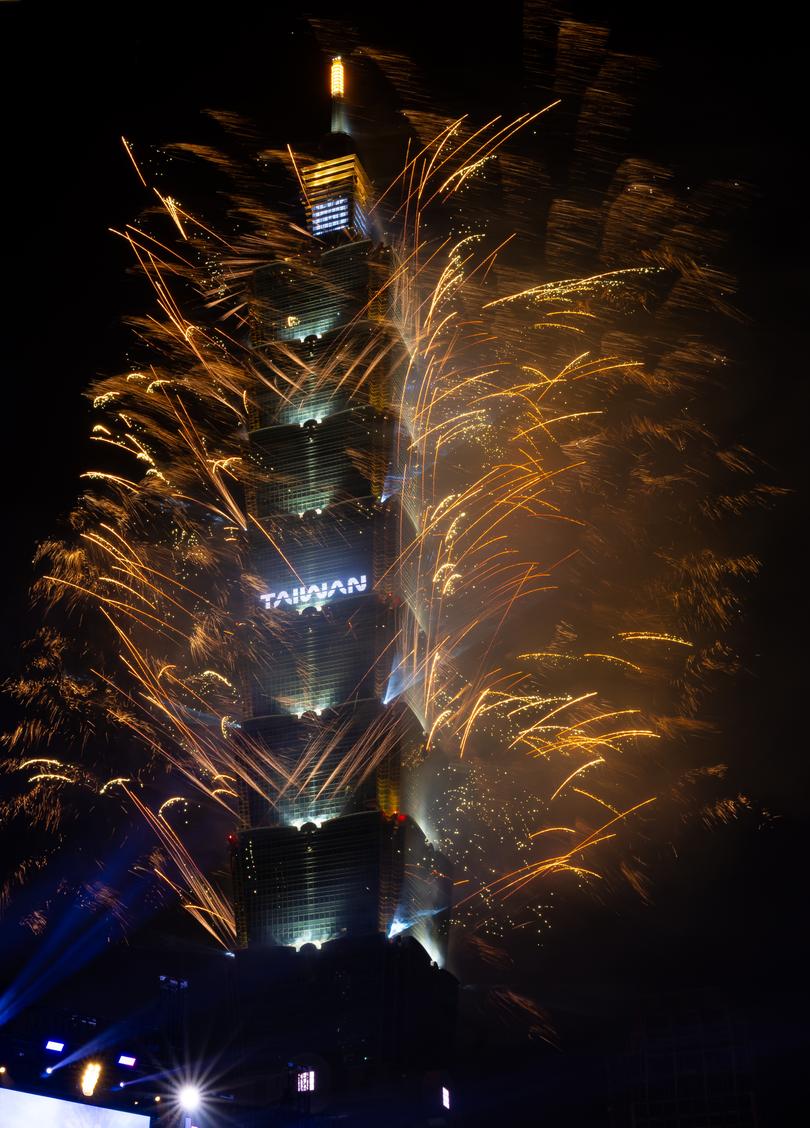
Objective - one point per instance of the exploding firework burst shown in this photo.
(564, 602)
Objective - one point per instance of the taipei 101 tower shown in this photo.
(332, 856)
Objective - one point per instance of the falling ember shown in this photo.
(555, 507)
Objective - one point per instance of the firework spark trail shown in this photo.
(528, 413)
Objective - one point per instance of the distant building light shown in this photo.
(306, 1081)
(90, 1076)
(169, 983)
(445, 1097)
(126, 1059)
(55, 1047)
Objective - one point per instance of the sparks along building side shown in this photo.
(332, 854)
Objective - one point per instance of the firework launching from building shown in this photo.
(541, 604)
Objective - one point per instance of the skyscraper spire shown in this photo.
(337, 87)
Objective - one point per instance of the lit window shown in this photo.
(306, 1081)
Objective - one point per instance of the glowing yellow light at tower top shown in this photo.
(90, 1076)
(337, 77)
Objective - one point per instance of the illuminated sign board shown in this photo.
(18, 1108)
(313, 595)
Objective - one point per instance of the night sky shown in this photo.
(725, 915)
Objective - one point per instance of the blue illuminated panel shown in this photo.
(18, 1108)
(331, 215)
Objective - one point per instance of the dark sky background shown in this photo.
(724, 102)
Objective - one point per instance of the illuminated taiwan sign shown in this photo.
(315, 595)
(306, 1081)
